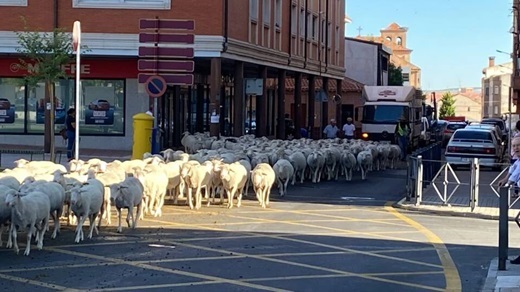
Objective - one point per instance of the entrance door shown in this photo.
(347, 111)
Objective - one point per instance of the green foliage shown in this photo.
(44, 55)
(448, 106)
(395, 75)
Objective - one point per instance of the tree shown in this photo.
(44, 55)
(395, 75)
(447, 108)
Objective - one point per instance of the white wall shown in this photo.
(361, 61)
(136, 102)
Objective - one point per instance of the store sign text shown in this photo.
(70, 69)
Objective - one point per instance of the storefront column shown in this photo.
(238, 100)
(199, 116)
(297, 105)
(261, 105)
(311, 106)
(325, 104)
(338, 104)
(280, 125)
(215, 83)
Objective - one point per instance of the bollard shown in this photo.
(419, 181)
(503, 228)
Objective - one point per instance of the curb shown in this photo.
(450, 213)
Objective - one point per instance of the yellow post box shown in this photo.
(143, 126)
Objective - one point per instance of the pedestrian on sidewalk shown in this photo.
(70, 124)
(516, 133)
(402, 133)
(331, 130)
(349, 129)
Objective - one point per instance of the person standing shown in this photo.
(514, 157)
(70, 124)
(349, 129)
(331, 130)
(402, 132)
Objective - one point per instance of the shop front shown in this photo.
(109, 95)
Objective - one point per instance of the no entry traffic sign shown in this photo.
(155, 86)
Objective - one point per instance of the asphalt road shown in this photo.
(333, 236)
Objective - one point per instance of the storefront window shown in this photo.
(101, 106)
(12, 105)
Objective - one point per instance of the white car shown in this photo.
(466, 144)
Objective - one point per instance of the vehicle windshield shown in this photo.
(384, 113)
(473, 135)
(456, 126)
(500, 124)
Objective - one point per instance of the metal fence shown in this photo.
(425, 163)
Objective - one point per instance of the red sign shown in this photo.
(171, 79)
(166, 24)
(176, 53)
(166, 65)
(155, 86)
(166, 38)
(97, 68)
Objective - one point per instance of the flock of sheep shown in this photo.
(35, 191)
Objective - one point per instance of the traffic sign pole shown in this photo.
(76, 43)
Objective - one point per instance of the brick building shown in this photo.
(236, 41)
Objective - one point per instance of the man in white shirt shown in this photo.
(349, 129)
(514, 170)
(331, 130)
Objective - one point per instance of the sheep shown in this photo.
(196, 177)
(284, 171)
(128, 194)
(87, 202)
(10, 182)
(56, 195)
(384, 151)
(40, 167)
(234, 179)
(394, 155)
(29, 211)
(364, 160)
(299, 163)
(316, 161)
(155, 183)
(263, 177)
(5, 212)
(68, 181)
(168, 154)
(248, 167)
(348, 163)
(19, 174)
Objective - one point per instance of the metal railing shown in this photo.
(427, 161)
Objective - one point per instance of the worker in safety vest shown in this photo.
(402, 133)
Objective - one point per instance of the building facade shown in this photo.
(496, 82)
(394, 37)
(366, 61)
(235, 42)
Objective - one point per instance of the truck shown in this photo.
(384, 106)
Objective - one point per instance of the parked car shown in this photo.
(5, 103)
(500, 123)
(99, 105)
(496, 131)
(482, 143)
(437, 130)
(450, 129)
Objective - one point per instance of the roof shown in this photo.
(394, 26)
(474, 96)
(347, 85)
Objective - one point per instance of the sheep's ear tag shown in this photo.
(85, 184)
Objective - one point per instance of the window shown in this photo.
(496, 89)
(302, 22)
(309, 25)
(384, 113)
(469, 109)
(294, 19)
(406, 77)
(486, 92)
(278, 13)
(12, 105)
(314, 27)
(399, 41)
(123, 4)
(101, 112)
(267, 11)
(13, 2)
(253, 9)
(388, 38)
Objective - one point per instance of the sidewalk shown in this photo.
(502, 281)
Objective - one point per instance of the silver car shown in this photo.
(466, 144)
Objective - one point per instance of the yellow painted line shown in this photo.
(36, 283)
(338, 230)
(394, 232)
(262, 222)
(165, 270)
(159, 286)
(336, 276)
(453, 282)
(314, 267)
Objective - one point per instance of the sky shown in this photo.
(451, 39)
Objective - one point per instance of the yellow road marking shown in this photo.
(451, 273)
(35, 283)
(170, 271)
(319, 268)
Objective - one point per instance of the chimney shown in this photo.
(491, 62)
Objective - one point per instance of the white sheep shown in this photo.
(348, 163)
(284, 171)
(10, 182)
(128, 194)
(364, 161)
(155, 183)
(5, 211)
(316, 161)
(30, 211)
(299, 163)
(56, 195)
(234, 179)
(196, 177)
(262, 178)
(87, 202)
(39, 167)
